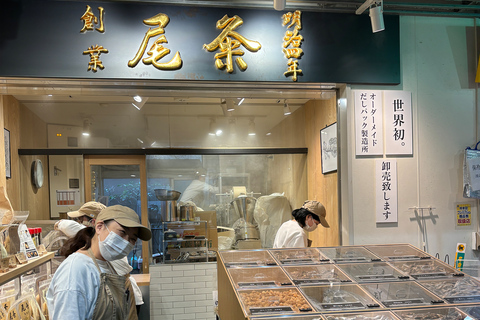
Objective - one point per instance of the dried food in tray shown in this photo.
(247, 258)
(315, 274)
(398, 252)
(401, 294)
(447, 313)
(315, 316)
(348, 254)
(273, 301)
(259, 277)
(458, 290)
(373, 272)
(471, 310)
(378, 315)
(426, 269)
(299, 256)
(343, 297)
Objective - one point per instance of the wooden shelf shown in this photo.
(23, 268)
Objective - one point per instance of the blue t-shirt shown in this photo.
(74, 288)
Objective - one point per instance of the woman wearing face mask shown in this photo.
(293, 233)
(86, 286)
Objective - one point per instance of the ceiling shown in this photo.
(181, 112)
(457, 8)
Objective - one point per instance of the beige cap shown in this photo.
(318, 209)
(90, 209)
(127, 218)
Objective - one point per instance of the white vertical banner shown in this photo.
(398, 123)
(386, 190)
(368, 122)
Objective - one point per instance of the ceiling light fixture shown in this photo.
(375, 12)
(86, 127)
(240, 101)
(230, 105)
(279, 5)
(251, 128)
(286, 109)
(139, 102)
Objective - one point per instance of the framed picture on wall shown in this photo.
(8, 168)
(328, 146)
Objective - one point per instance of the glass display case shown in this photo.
(401, 294)
(472, 310)
(184, 241)
(343, 297)
(459, 290)
(426, 269)
(398, 252)
(247, 258)
(294, 317)
(349, 254)
(377, 315)
(273, 301)
(315, 274)
(432, 313)
(372, 272)
(259, 277)
(299, 256)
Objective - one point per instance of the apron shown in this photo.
(114, 300)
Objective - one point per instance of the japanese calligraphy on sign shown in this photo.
(368, 122)
(398, 123)
(386, 191)
(292, 42)
(157, 50)
(89, 20)
(94, 52)
(228, 42)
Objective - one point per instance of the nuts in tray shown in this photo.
(273, 298)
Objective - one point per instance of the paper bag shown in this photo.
(6, 210)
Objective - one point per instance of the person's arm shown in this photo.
(69, 227)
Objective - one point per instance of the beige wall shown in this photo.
(321, 187)
(25, 128)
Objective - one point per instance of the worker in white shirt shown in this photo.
(293, 233)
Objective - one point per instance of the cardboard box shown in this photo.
(211, 218)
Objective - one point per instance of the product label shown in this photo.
(255, 311)
(412, 257)
(463, 299)
(296, 261)
(403, 302)
(314, 281)
(256, 284)
(244, 264)
(342, 306)
(376, 277)
(429, 275)
(356, 259)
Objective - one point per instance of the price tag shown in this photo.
(24, 310)
(256, 284)
(255, 311)
(405, 302)
(463, 299)
(343, 306)
(13, 315)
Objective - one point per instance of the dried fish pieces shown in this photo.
(274, 298)
(454, 288)
(452, 315)
(360, 317)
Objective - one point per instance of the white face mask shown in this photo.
(310, 228)
(114, 247)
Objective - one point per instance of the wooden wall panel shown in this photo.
(11, 122)
(321, 187)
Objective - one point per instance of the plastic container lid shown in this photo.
(31, 231)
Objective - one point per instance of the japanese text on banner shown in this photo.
(368, 122)
(398, 123)
(386, 191)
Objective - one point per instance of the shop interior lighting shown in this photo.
(279, 5)
(286, 108)
(375, 12)
(138, 102)
(86, 127)
(240, 101)
(230, 105)
(251, 128)
(223, 105)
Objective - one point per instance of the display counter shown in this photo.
(380, 282)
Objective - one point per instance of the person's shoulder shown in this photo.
(79, 262)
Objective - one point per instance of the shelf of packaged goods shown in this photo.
(23, 268)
